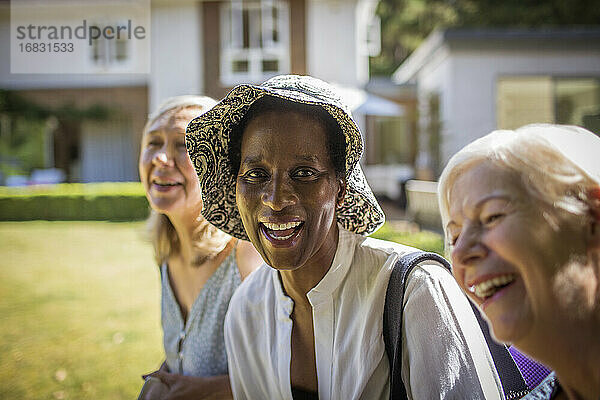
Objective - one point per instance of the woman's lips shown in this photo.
(165, 186)
(282, 235)
(486, 287)
(490, 289)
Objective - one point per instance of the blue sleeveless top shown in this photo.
(197, 347)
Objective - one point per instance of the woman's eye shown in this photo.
(490, 219)
(305, 173)
(254, 175)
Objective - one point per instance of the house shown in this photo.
(192, 47)
(469, 82)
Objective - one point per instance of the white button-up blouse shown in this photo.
(444, 352)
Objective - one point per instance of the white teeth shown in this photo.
(283, 237)
(487, 288)
(281, 227)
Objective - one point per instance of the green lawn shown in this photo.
(79, 310)
(409, 234)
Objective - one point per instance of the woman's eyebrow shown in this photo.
(252, 159)
(493, 196)
(307, 158)
(480, 203)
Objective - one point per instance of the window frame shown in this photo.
(108, 59)
(232, 47)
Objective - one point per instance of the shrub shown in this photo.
(111, 201)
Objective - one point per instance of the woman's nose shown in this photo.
(468, 249)
(279, 194)
(163, 158)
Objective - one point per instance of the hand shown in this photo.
(153, 389)
(181, 387)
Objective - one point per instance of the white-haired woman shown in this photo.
(200, 265)
(521, 211)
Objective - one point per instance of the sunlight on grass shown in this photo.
(410, 235)
(79, 307)
(80, 304)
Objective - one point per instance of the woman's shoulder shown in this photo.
(253, 291)
(546, 390)
(247, 258)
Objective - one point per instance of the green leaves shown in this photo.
(406, 23)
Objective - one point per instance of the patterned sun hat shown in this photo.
(208, 139)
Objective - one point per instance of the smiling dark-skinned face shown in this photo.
(287, 190)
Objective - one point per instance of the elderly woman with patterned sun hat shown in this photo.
(278, 164)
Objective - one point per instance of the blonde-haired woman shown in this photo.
(200, 266)
(521, 211)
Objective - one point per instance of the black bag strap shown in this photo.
(512, 381)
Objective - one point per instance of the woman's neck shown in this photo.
(580, 379)
(570, 347)
(297, 283)
(577, 364)
(185, 228)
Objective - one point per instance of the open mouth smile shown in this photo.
(487, 288)
(281, 234)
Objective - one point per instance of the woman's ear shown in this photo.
(341, 191)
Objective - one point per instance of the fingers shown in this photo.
(166, 377)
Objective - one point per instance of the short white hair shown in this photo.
(173, 104)
(558, 164)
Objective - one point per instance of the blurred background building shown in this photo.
(423, 77)
(196, 47)
(469, 82)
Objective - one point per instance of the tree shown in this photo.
(23, 124)
(406, 23)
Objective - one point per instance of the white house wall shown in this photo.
(334, 45)
(472, 93)
(436, 77)
(59, 16)
(106, 152)
(176, 59)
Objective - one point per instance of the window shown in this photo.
(524, 100)
(108, 53)
(254, 40)
(393, 143)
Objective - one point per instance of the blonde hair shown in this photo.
(557, 164)
(208, 241)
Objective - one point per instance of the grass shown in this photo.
(80, 304)
(409, 234)
(79, 310)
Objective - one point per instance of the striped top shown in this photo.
(196, 347)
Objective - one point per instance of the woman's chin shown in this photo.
(509, 328)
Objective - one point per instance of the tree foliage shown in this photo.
(405, 23)
(22, 128)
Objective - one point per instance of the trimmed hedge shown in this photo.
(110, 201)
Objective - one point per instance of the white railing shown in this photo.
(422, 204)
